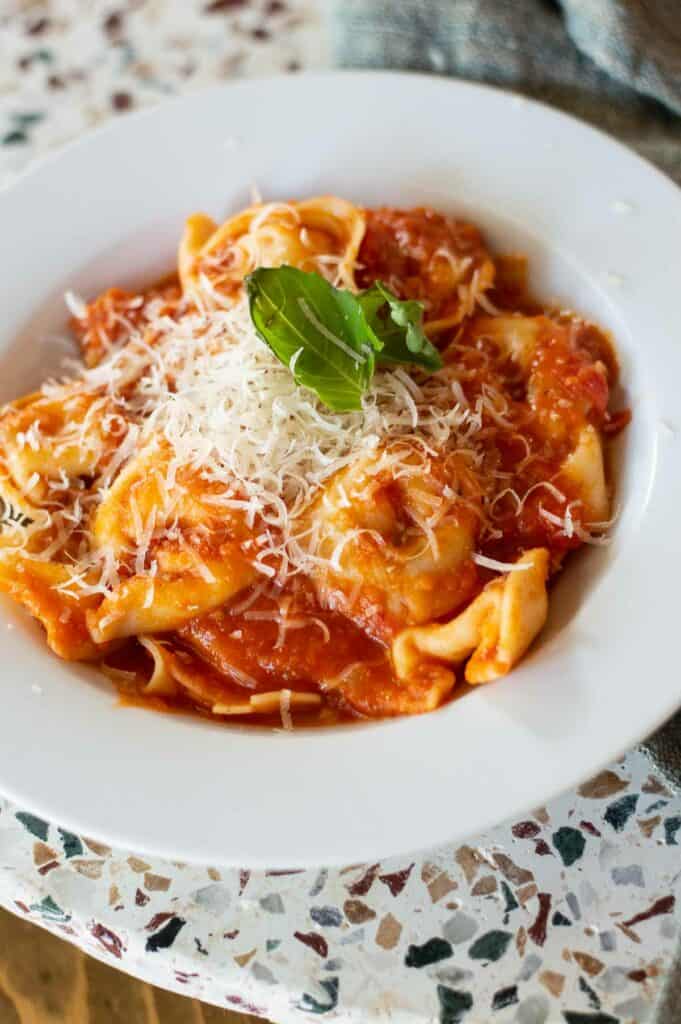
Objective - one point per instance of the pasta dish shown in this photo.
(325, 470)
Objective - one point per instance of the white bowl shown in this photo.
(602, 230)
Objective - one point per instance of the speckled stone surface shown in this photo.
(569, 915)
(68, 65)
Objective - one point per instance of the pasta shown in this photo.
(310, 498)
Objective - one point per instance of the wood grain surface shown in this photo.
(44, 980)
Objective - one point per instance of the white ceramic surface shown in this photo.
(601, 228)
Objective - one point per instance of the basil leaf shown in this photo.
(398, 325)
(330, 338)
(300, 314)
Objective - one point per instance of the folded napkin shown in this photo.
(615, 63)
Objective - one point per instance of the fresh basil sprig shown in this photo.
(331, 339)
(398, 325)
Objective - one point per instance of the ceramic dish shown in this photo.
(600, 228)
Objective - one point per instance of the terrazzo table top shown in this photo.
(568, 915)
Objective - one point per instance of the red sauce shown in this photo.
(108, 318)
(310, 645)
(319, 649)
(531, 417)
(407, 249)
(566, 386)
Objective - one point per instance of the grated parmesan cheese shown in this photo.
(285, 709)
(227, 408)
(493, 563)
(207, 389)
(75, 305)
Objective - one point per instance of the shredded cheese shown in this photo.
(201, 385)
(492, 563)
(226, 407)
(285, 709)
(75, 305)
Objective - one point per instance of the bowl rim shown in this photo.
(660, 488)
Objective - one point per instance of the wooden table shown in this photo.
(44, 980)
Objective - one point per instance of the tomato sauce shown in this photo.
(422, 254)
(531, 412)
(108, 319)
(280, 640)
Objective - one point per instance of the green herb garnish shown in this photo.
(331, 339)
(399, 326)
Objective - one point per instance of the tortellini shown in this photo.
(190, 553)
(391, 550)
(187, 514)
(493, 632)
(371, 689)
(66, 435)
(584, 473)
(321, 234)
(38, 586)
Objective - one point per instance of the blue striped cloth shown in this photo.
(616, 63)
